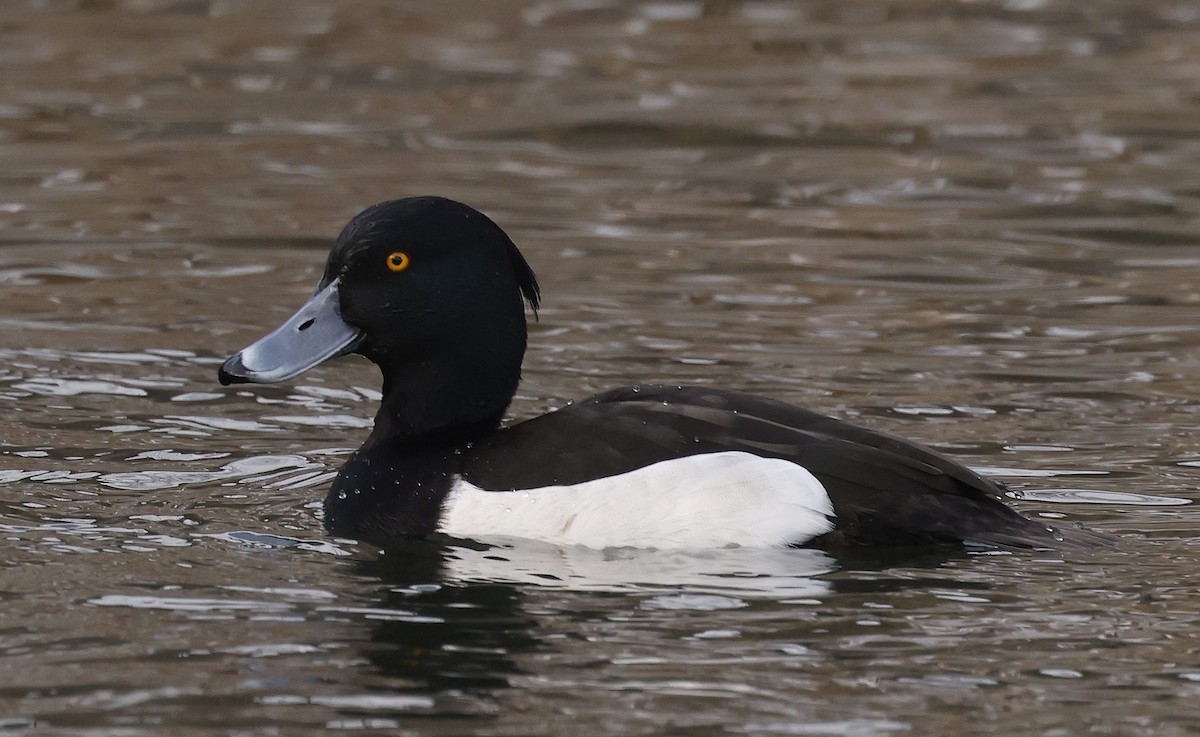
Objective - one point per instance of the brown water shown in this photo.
(970, 223)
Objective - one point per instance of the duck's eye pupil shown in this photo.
(397, 261)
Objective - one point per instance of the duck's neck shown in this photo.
(426, 404)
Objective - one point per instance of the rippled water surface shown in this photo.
(969, 223)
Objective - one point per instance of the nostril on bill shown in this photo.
(307, 324)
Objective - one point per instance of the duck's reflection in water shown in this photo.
(471, 624)
(748, 572)
(459, 637)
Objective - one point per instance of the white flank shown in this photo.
(701, 501)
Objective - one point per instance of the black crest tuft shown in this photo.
(526, 279)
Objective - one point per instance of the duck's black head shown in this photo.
(433, 292)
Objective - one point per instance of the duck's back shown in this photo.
(883, 490)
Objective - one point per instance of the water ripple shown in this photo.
(1097, 496)
(247, 470)
(75, 387)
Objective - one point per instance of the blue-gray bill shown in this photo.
(314, 334)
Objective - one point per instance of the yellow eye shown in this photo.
(397, 261)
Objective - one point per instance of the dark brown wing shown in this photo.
(884, 490)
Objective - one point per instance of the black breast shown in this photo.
(383, 492)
